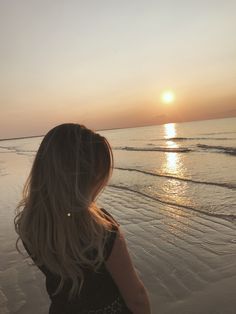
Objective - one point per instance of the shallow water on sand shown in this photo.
(188, 164)
(173, 192)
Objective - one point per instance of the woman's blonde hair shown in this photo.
(60, 223)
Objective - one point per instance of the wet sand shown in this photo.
(186, 260)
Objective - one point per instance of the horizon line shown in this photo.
(131, 127)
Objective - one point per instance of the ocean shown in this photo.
(173, 193)
(191, 165)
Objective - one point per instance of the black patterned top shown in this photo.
(99, 293)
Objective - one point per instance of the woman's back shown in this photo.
(99, 293)
(75, 244)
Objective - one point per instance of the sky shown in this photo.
(105, 64)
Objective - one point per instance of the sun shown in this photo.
(167, 97)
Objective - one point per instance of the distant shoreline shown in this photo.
(131, 127)
(18, 138)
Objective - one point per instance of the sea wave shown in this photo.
(200, 138)
(7, 149)
(193, 148)
(223, 185)
(157, 149)
(229, 217)
(180, 139)
(15, 149)
(220, 149)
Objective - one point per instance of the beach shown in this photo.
(185, 253)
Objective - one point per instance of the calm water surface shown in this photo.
(188, 164)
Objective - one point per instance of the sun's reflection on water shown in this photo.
(172, 163)
(175, 191)
(170, 130)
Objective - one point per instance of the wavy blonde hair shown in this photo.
(60, 223)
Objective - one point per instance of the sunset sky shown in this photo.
(107, 63)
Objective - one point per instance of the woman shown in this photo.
(78, 246)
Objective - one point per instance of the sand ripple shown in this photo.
(187, 260)
(184, 258)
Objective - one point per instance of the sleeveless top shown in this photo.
(99, 293)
